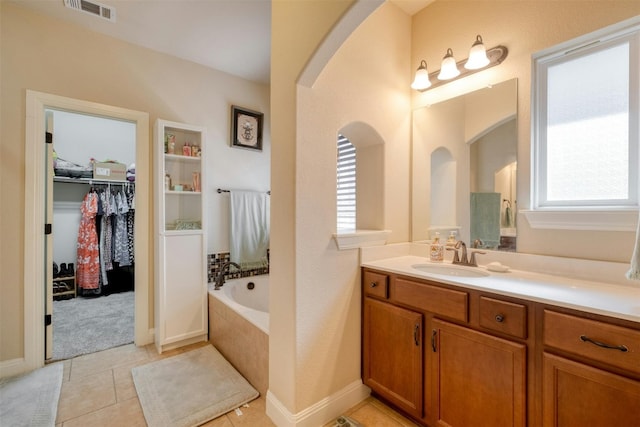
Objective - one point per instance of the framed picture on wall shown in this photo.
(246, 128)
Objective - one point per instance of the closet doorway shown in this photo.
(39, 194)
(92, 233)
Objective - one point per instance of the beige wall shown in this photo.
(49, 56)
(364, 81)
(525, 27)
(290, 51)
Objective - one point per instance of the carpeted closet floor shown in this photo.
(87, 325)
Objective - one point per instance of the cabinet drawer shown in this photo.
(502, 316)
(611, 344)
(442, 301)
(375, 284)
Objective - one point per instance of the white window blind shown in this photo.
(346, 184)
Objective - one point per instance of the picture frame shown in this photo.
(246, 128)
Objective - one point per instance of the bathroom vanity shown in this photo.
(499, 349)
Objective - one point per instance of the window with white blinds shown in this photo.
(346, 181)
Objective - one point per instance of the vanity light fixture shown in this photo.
(421, 81)
(477, 55)
(479, 59)
(449, 68)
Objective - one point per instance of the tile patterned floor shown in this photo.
(98, 391)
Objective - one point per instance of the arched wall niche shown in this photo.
(444, 168)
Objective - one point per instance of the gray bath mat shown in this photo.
(190, 389)
(31, 399)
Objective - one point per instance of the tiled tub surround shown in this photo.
(216, 261)
(241, 333)
(596, 287)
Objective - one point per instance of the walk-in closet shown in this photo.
(93, 218)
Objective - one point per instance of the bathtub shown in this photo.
(252, 304)
(239, 326)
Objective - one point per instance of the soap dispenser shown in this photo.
(451, 240)
(436, 252)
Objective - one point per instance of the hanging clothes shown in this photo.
(109, 217)
(130, 216)
(88, 253)
(121, 239)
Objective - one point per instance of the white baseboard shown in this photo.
(319, 413)
(9, 368)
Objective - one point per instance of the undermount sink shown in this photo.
(450, 270)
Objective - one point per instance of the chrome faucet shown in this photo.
(461, 259)
(219, 280)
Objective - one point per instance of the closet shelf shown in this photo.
(88, 180)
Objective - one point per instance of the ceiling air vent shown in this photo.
(92, 8)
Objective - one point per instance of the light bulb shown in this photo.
(449, 67)
(477, 56)
(421, 80)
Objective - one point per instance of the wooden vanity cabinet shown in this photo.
(478, 379)
(457, 357)
(462, 375)
(392, 354)
(585, 382)
(391, 346)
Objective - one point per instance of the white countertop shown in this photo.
(607, 299)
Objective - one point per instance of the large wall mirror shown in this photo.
(464, 168)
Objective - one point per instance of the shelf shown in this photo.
(89, 180)
(183, 232)
(180, 193)
(64, 286)
(181, 242)
(180, 157)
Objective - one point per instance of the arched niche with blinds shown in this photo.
(360, 179)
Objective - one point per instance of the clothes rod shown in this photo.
(220, 190)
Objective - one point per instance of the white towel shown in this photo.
(249, 239)
(634, 271)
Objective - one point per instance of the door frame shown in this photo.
(34, 238)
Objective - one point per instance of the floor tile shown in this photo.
(98, 391)
(83, 395)
(369, 415)
(105, 360)
(253, 415)
(222, 421)
(127, 413)
(123, 380)
(404, 422)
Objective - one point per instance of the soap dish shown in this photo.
(497, 267)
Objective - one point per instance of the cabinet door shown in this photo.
(575, 394)
(478, 380)
(184, 294)
(392, 354)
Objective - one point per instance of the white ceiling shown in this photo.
(233, 36)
